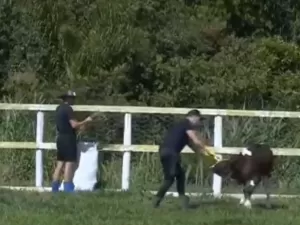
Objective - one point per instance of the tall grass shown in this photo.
(17, 166)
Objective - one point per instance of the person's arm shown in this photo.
(193, 136)
(74, 123)
(202, 149)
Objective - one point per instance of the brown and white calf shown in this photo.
(253, 165)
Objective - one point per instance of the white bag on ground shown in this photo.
(85, 176)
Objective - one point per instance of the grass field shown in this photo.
(25, 208)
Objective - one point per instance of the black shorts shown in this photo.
(66, 148)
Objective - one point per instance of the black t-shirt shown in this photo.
(176, 137)
(64, 113)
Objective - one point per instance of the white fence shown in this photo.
(127, 146)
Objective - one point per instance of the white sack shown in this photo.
(85, 176)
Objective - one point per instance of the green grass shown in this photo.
(24, 208)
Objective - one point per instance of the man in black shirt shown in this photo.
(66, 142)
(169, 151)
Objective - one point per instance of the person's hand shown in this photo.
(88, 119)
(204, 151)
(212, 153)
(218, 158)
(209, 151)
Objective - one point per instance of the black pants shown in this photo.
(172, 170)
(66, 148)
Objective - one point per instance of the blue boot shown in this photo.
(55, 186)
(69, 187)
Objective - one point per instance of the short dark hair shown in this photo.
(193, 112)
(68, 94)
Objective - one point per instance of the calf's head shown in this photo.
(222, 168)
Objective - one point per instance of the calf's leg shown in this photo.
(266, 184)
(248, 191)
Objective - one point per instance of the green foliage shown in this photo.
(171, 53)
(266, 18)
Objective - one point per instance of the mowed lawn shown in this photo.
(25, 208)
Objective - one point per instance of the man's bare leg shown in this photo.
(56, 176)
(68, 176)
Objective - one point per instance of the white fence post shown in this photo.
(218, 139)
(39, 152)
(127, 154)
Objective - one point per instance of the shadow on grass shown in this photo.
(223, 203)
(229, 221)
(273, 206)
(195, 204)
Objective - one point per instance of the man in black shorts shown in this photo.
(169, 151)
(66, 142)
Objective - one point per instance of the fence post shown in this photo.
(39, 151)
(218, 138)
(127, 154)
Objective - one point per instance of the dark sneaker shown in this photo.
(185, 200)
(156, 202)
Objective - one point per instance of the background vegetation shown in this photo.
(236, 54)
